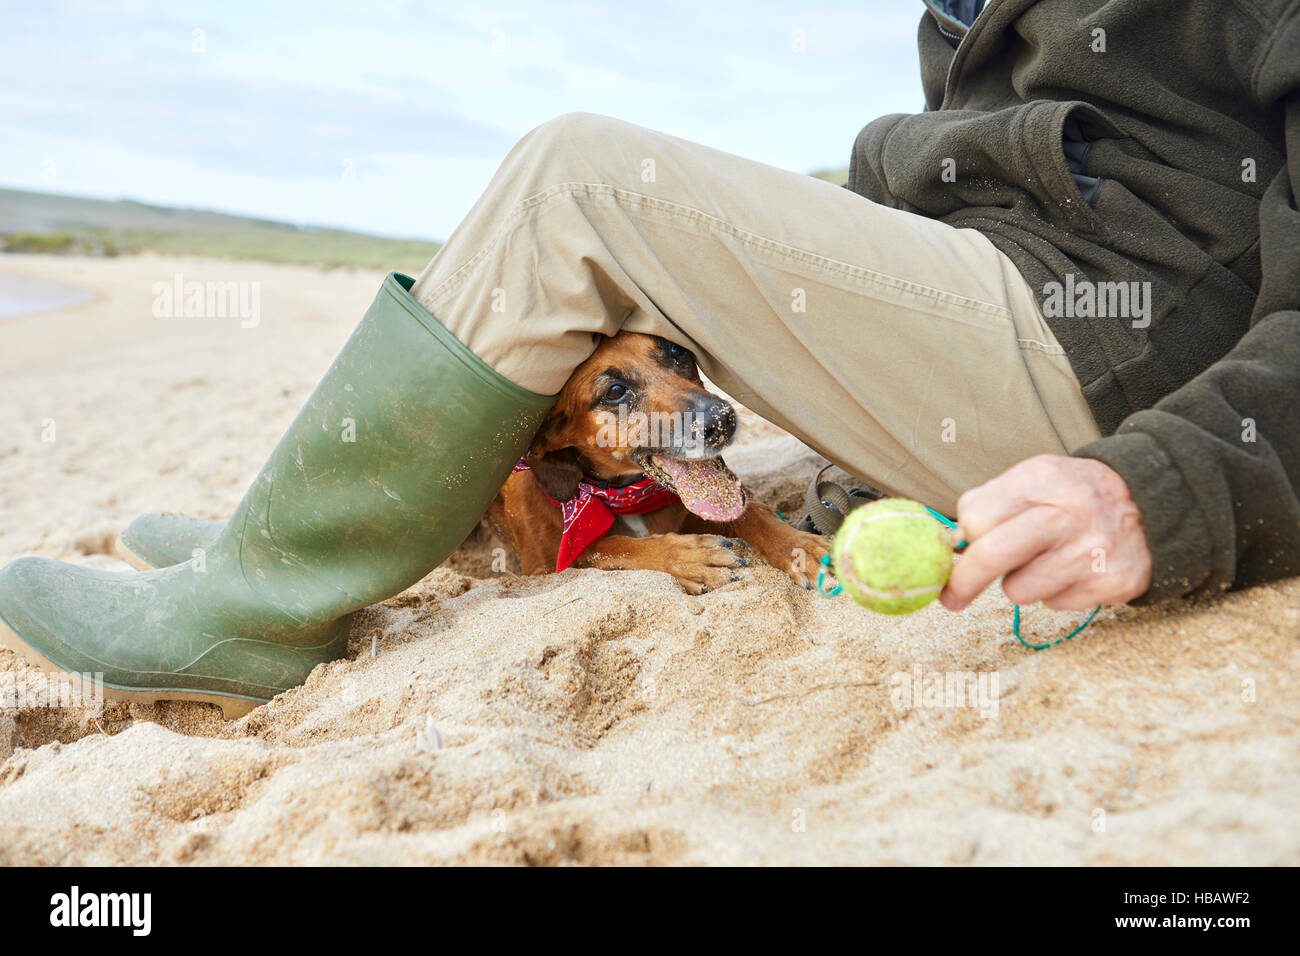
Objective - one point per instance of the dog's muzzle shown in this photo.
(693, 468)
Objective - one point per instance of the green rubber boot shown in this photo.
(385, 471)
(160, 539)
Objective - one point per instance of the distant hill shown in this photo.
(48, 222)
(837, 176)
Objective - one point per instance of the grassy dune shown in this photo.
(836, 176)
(45, 222)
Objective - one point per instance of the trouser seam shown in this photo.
(1034, 345)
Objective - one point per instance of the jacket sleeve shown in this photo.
(1215, 466)
(866, 177)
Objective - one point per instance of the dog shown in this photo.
(626, 473)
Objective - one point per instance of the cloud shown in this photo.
(538, 77)
(271, 98)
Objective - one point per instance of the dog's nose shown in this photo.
(719, 423)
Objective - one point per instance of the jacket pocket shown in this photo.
(1043, 135)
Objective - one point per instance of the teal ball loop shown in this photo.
(1015, 629)
(821, 578)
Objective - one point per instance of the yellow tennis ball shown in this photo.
(892, 556)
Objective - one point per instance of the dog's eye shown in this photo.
(676, 351)
(616, 393)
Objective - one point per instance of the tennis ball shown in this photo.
(892, 556)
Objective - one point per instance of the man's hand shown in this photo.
(1064, 531)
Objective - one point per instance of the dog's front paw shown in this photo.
(798, 554)
(701, 562)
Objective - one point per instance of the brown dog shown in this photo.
(626, 473)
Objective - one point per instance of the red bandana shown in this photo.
(589, 514)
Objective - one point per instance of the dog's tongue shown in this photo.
(706, 486)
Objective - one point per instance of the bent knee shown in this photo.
(579, 147)
(580, 127)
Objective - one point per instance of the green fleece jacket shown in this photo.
(1188, 114)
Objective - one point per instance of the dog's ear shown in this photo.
(558, 473)
(555, 467)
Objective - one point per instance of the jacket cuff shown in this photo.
(1177, 534)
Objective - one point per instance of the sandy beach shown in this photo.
(590, 717)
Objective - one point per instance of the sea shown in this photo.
(25, 295)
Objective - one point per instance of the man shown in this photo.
(1063, 301)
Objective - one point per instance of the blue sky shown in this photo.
(390, 117)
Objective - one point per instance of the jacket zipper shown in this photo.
(961, 41)
(948, 33)
(939, 17)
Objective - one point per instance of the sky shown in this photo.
(390, 117)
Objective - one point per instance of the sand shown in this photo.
(590, 717)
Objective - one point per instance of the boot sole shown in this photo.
(130, 557)
(232, 708)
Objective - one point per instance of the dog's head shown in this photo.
(637, 407)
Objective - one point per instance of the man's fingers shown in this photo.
(1077, 597)
(1016, 490)
(982, 509)
(1005, 548)
(1050, 574)
(1039, 480)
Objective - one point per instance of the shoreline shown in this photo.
(23, 294)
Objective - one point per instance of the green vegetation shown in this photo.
(327, 248)
(56, 242)
(73, 225)
(836, 176)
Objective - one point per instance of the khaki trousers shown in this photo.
(908, 352)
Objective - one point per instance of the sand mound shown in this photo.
(595, 717)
